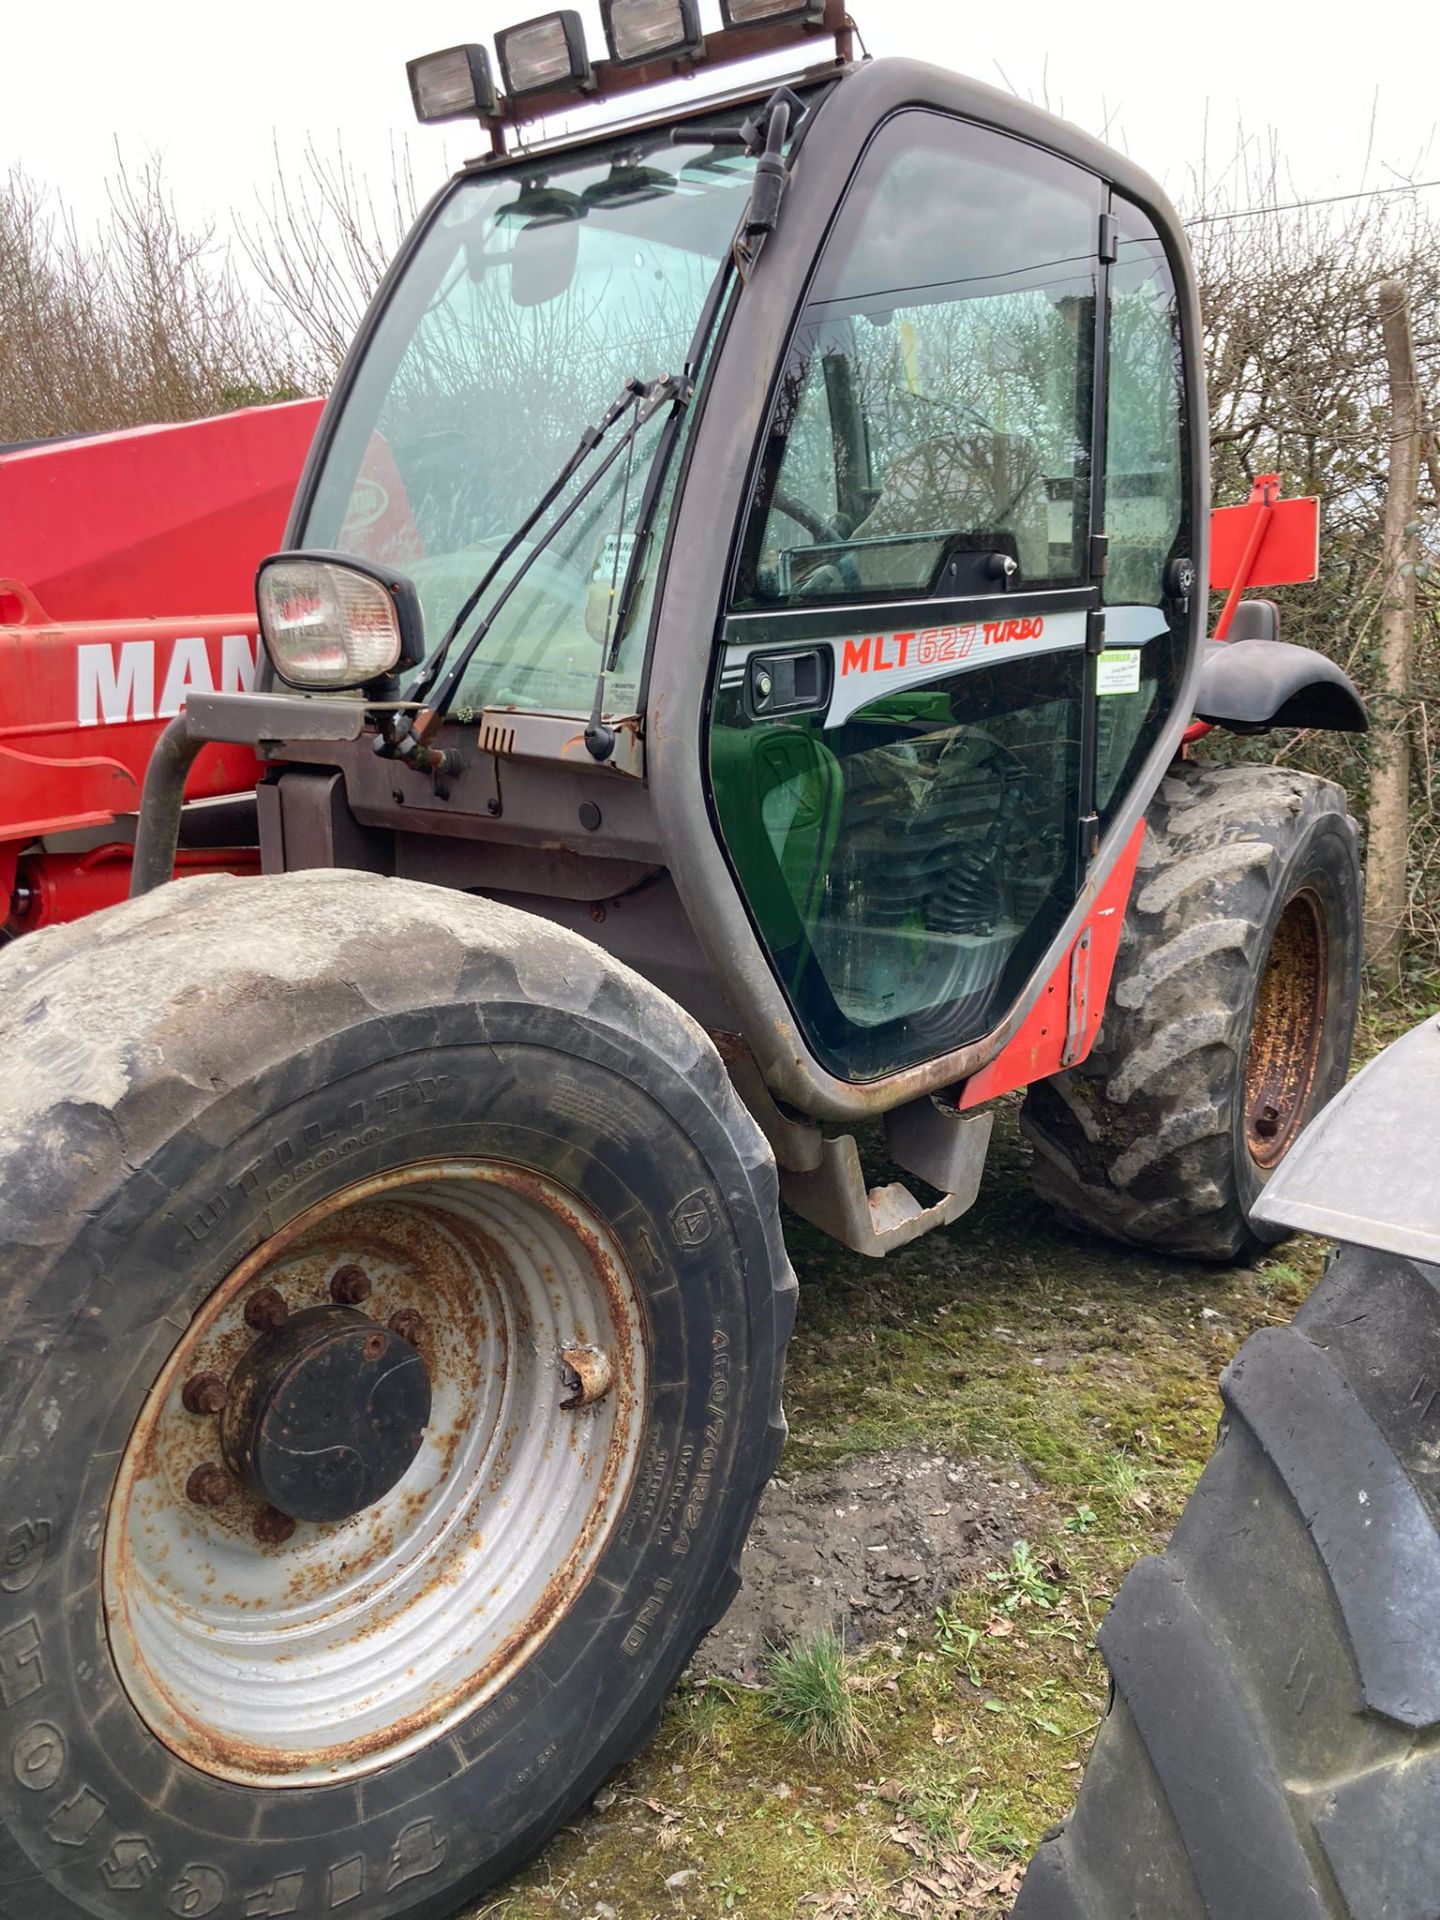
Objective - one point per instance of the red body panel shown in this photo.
(119, 555)
(156, 521)
(1038, 1049)
(1287, 550)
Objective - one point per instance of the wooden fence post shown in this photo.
(1387, 897)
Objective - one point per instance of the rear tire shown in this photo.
(1270, 1749)
(235, 1084)
(1230, 1018)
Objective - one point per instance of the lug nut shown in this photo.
(208, 1486)
(349, 1286)
(204, 1393)
(407, 1323)
(374, 1346)
(265, 1310)
(586, 1372)
(273, 1528)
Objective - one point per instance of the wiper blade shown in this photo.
(406, 735)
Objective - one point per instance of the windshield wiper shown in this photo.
(763, 136)
(406, 735)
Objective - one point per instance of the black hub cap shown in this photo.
(325, 1413)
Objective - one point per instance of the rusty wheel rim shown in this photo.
(1283, 1057)
(277, 1652)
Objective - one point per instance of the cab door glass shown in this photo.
(937, 399)
(897, 723)
(1147, 512)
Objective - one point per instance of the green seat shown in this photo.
(779, 790)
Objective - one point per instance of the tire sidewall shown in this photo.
(94, 1804)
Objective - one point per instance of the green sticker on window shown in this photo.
(1118, 671)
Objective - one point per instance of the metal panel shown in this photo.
(1364, 1170)
(945, 1149)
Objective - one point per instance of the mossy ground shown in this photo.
(1088, 1369)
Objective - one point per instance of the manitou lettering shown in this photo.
(116, 680)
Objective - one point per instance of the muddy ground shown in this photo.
(866, 1547)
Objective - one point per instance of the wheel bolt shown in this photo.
(586, 1372)
(349, 1286)
(208, 1486)
(407, 1323)
(273, 1528)
(204, 1393)
(265, 1310)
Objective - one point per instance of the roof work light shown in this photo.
(651, 29)
(452, 85)
(750, 13)
(543, 60)
(545, 54)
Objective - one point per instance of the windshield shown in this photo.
(532, 297)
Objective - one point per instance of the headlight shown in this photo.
(748, 13)
(544, 53)
(330, 623)
(651, 29)
(452, 84)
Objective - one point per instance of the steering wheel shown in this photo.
(839, 575)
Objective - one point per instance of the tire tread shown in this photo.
(1205, 1795)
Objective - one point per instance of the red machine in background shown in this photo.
(127, 565)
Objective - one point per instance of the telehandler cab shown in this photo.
(728, 677)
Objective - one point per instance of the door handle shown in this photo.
(789, 682)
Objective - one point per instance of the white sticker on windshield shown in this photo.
(1118, 672)
(613, 559)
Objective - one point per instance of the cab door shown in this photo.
(903, 718)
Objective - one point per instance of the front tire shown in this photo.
(234, 1092)
(1270, 1751)
(1230, 1019)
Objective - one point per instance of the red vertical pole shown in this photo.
(1263, 499)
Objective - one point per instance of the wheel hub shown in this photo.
(325, 1414)
(338, 1528)
(1286, 1034)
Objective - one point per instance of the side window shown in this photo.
(807, 506)
(1146, 503)
(937, 400)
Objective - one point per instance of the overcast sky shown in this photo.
(1351, 95)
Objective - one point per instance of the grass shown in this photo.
(1023, 1582)
(1087, 1375)
(812, 1695)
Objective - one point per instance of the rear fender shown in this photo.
(1250, 686)
(1363, 1171)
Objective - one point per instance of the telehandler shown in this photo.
(725, 684)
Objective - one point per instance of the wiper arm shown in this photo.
(407, 735)
(763, 136)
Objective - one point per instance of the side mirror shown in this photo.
(333, 623)
(543, 263)
(546, 245)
